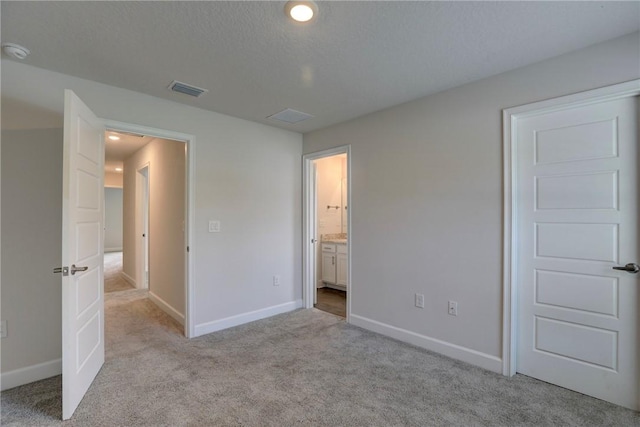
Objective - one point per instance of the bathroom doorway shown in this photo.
(327, 220)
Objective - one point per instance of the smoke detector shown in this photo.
(15, 50)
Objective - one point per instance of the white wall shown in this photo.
(247, 175)
(113, 179)
(31, 248)
(112, 219)
(167, 198)
(329, 174)
(427, 200)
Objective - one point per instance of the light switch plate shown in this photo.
(214, 226)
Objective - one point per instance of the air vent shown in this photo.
(177, 86)
(290, 116)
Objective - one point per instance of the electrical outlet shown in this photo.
(453, 308)
(276, 280)
(3, 328)
(419, 301)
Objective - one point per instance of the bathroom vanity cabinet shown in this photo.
(334, 264)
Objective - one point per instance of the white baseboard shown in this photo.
(167, 308)
(30, 374)
(474, 357)
(229, 322)
(130, 280)
(113, 249)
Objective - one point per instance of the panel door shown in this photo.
(82, 246)
(577, 198)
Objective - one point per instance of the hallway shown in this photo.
(113, 280)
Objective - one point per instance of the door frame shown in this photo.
(510, 122)
(309, 225)
(190, 173)
(142, 214)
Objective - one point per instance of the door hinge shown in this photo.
(187, 248)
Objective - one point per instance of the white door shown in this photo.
(145, 226)
(577, 218)
(82, 247)
(316, 236)
(142, 227)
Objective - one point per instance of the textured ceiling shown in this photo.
(355, 58)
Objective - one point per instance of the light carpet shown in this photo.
(305, 368)
(113, 280)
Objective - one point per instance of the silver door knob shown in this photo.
(74, 269)
(632, 267)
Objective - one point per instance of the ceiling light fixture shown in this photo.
(114, 138)
(301, 11)
(118, 169)
(15, 50)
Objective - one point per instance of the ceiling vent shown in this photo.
(290, 116)
(177, 86)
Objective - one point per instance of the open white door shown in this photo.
(314, 222)
(82, 252)
(142, 227)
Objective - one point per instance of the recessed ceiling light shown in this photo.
(118, 169)
(301, 11)
(114, 138)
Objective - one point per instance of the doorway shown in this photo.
(83, 299)
(154, 172)
(327, 278)
(572, 243)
